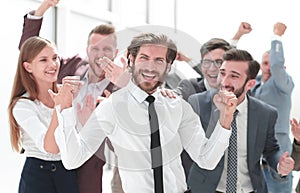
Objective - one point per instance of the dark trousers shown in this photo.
(47, 177)
(89, 175)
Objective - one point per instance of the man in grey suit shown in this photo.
(275, 86)
(211, 59)
(255, 130)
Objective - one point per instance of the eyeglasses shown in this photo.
(206, 63)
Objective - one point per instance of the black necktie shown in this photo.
(156, 154)
(232, 158)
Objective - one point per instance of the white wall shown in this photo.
(11, 15)
(206, 19)
(199, 20)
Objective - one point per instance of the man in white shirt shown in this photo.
(123, 118)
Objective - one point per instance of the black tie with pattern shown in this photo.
(232, 158)
(156, 154)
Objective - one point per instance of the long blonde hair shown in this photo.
(25, 82)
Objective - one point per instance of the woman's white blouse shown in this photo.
(34, 118)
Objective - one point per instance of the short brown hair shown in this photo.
(150, 38)
(243, 55)
(103, 29)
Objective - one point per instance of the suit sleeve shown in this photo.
(271, 150)
(205, 152)
(185, 88)
(296, 156)
(31, 27)
(283, 80)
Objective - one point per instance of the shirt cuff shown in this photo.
(31, 15)
(234, 43)
(69, 120)
(66, 122)
(223, 133)
(276, 37)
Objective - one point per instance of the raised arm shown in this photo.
(244, 28)
(283, 80)
(33, 20)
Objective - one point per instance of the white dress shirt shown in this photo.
(34, 118)
(96, 89)
(244, 184)
(123, 118)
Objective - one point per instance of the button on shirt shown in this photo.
(123, 118)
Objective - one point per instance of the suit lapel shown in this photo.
(209, 114)
(252, 126)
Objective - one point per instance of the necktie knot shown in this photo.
(150, 99)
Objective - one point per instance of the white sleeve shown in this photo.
(76, 148)
(28, 118)
(205, 152)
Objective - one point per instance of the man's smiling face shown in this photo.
(150, 67)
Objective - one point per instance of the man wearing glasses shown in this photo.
(211, 60)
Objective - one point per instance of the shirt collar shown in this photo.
(207, 85)
(139, 94)
(85, 79)
(242, 107)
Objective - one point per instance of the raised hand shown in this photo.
(64, 97)
(45, 5)
(279, 28)
(87, 108)
(112, 70)
(226, 102)
(75, 82)
(244, 28)
(114, 73)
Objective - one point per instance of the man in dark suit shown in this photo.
(102, 46)
(255, 130)
(211, 59)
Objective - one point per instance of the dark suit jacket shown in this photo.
(260, 141)
(93, 168)
(68, 66)
(296, 157)
(188, 87)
